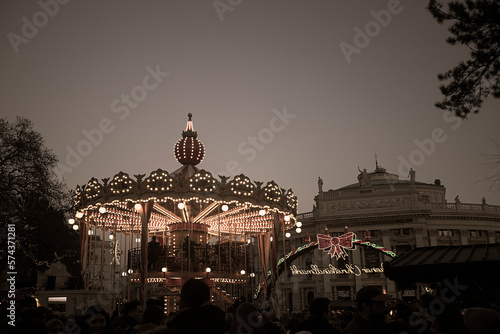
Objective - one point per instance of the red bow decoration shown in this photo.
(337, 245)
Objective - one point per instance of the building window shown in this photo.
(401, 231)
(477, 233)
(447, 233)
(369, 234)
(401, 249)
(372, 257)
(343, 293)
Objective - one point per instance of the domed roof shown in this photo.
(380, 177)
(189, 150)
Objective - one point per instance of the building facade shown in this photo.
(398, 215)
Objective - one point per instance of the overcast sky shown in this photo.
(279, 90)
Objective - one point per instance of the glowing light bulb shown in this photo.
(288, 234)
(102, 209)
(262, 212)
(208, 269)
(242, 272)
(225, 208)
(181, 205)
(298, 224)
(79, 214)
(71, 221)
(298, 230)
(75, 227)
(137, 206)
(287, 218)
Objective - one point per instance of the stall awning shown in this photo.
(434, 264)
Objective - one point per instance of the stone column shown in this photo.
(491, 237)
(432, 238)
(356, 259)
(318, 280)
(386, 238)
(464, 240)
(419, 237)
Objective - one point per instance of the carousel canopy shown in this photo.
(187, 195)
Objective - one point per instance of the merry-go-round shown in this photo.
(183, 224)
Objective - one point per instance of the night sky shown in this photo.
(279, 90)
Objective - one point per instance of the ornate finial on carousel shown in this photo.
(189, 132)
(189, 150)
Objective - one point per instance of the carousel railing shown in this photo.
(177, 258)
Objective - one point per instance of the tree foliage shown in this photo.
(492, 160)
(34, 201)
(475, 24)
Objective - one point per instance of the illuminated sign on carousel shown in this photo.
(227, 280)
(150, 280)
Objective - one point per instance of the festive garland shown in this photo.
(309, 246)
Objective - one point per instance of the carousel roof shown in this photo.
(233, 205)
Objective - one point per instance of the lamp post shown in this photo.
(164, 271)
(243, 273)
(181, 207)
(124, 275)
(252, 280)
(286, 219)
(208, 270)
(224, 209)
(218, 259)
(130, 272)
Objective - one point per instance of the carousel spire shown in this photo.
(189, 150)
(189, 128)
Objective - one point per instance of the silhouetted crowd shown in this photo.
(375, 313)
